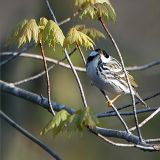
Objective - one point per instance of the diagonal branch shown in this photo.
(126, 75)
(47, 78)
(147, 119)
(41, 73)
(77, 79)
(70, 63)
(16, 55)
(30, 136)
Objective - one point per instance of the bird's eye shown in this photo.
(105, 54)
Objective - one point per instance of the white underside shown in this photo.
(108, 86)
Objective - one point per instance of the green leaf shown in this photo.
(63, 121)
(83, 3)
(52, 34)
(28, 32)
(91, 32)
(17, 32)
(78, 38)
(57, 123)
(99, 9)
(81, 119)
(42, 23)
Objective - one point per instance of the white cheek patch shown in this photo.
(104, 59)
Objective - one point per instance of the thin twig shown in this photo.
(126, 76)
(50, 60)
(128, 137)
(69, 18)
(50, 10)
(143, 67)
(80, 69)
(77, 79)
(117, 113)
(43, 102)
(146, 120)
(30, 136)
(145, 99)
(113, 113)
(16, 55)
(26, 80)
(73, 69)
(81, 53)
(152, 140)
(47, 78)
(41, 73)
(115, 143)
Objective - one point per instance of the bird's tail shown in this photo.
(141, 100)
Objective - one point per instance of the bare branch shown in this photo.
(72, 67)
(47, 78)
(43, 72)
(50, 10)
(145, 99)
(30, 136)
(80, 69)
(77, 79)
(69, 18)
(126, 136)
(114, 143)
(43, 102)
(147, 119)
(51, 60)
(117, 113)
(152, 140)
(126, 75)
(113, 113)
(143, 67)
(16, 55)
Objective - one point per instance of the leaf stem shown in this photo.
(81, 53)
(47, 77)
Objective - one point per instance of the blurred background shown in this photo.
(137, 33)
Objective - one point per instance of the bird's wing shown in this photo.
(116, 69)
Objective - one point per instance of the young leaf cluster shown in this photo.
(45, 30)
(63, 121)
(99, 10)
(90, 32)
(76, 37)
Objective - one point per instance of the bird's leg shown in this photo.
(110, 102)
(116, 111)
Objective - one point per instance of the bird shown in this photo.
(107, 74)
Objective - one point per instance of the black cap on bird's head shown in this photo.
(95, 53)
(103, 52)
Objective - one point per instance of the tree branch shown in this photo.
(38, 57)
(126, 75)
(47, 78)
(147, 119)
(43, 102)
(80, 69)
(16, 55)
(70, 63)
(30, 136)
